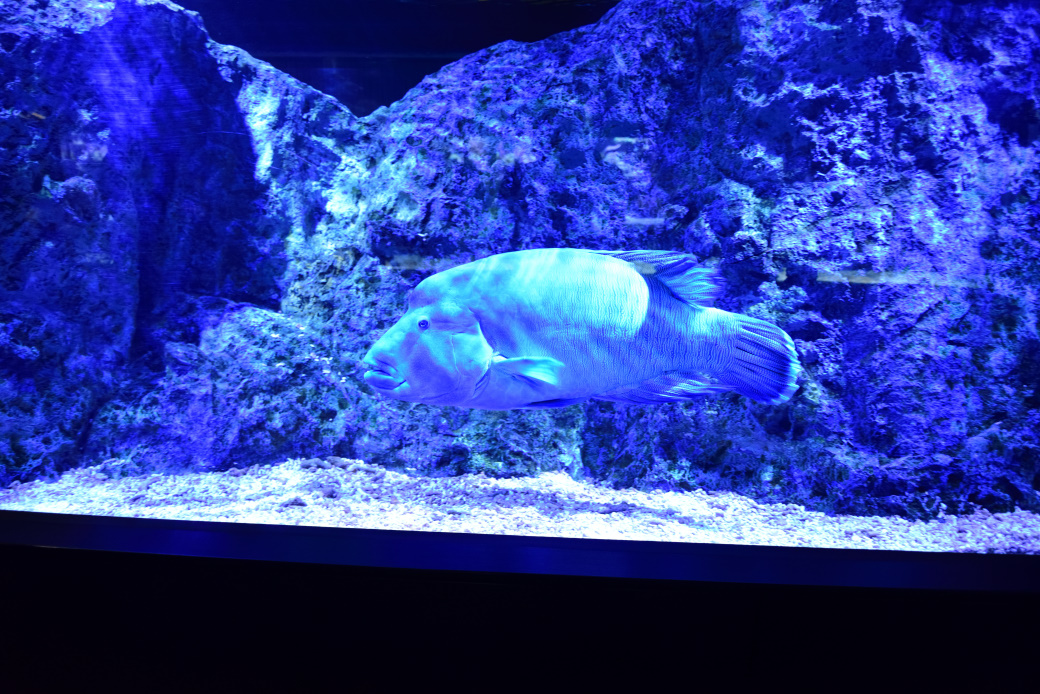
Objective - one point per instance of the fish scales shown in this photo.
(553, 327)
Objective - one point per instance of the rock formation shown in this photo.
(198, 248)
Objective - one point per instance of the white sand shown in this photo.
(348, 493)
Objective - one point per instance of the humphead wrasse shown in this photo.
(553, 327)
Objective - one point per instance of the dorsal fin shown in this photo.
(679, 272)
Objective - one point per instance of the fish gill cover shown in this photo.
(198, 250)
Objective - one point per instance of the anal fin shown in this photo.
(673, 386)
(559, 402)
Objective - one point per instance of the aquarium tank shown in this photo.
(697, 273)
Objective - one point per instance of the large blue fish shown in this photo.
(553, 327)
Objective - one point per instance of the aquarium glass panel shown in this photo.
(744, 273)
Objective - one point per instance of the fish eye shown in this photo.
(424, 324)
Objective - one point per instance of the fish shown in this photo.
(554, 327)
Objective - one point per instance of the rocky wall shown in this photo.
(197, 248)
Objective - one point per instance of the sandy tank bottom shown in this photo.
(337, 492)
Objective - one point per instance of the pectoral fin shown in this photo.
(534, 371)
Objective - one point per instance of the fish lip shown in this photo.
(381, 380)
(380, 374)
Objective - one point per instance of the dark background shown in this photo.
(368, 53)
(76, 620)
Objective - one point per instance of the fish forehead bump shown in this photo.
(464, 283)
(440, 297)
(439, 284)
(455, 288)
(541, 265)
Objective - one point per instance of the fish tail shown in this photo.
(765, 365)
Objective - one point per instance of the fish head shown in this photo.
(435, 353)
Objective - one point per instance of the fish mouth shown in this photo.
(381, 380)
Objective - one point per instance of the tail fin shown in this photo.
(765, 366)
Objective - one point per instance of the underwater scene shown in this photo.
(746, 272)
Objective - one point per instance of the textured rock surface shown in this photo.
(863, 174)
